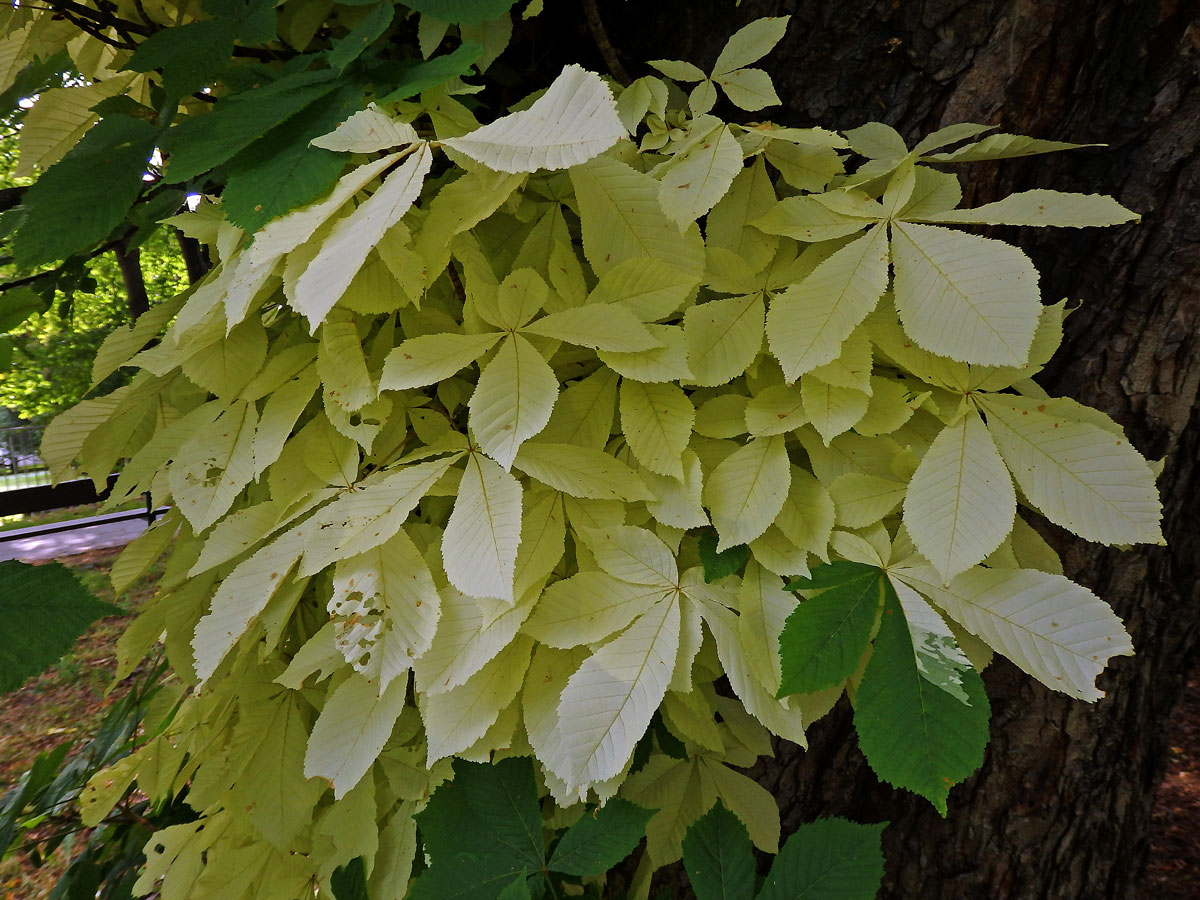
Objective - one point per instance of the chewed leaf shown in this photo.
(573, 121)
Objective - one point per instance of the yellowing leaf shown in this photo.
(750, 89)
(513, 399)
(431, 358)
(832, 410)
(965, 297)
(678, 502)
(599, 326)
(634, 555)
(479, 547)
(468, 637)
(575, 120)
(607, 704)
(1078, 475)
(652, 289)
(750, 43)
(808, 322)
(746, 492)
(342, 365)
(808, 514)
(352, 238)
(1041, 207)
(584, 412)
(811, 219)
(695, 180)
(656, 366)
(59, 118)
(207, 475)
(622, 220)
(723, 337)
(587, 608)
(960, 504)
(580, 471)
(349, 734)
(728, 224)
(862, 500)
(657, 421)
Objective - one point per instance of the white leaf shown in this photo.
(961, 503)
(479, 546)
(367, 131)
(467, 638)
(1078, 475)
(940, 660)
(207, 475)
(352, 238)
(575, 120)
(348, 736)
(1059, 632)
(1041, 207)
(581, 471)
(587, 608)
(513, 399)
(696, 179)
(966, 297)
(809, 322)
(608, 703)
(747, 490)
(633, 554)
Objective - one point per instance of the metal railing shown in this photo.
(20, 464)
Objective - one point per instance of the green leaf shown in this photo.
(830, 859)
(749, 44)
(718, 857)
(87, 193)
(914, 734)
(204, 142)
(729, 561)
(281, 171)
(349, 882)
(366, 32)
(1004, 146)
(487, 810)
(190, 56)
(601, 839)
(825, 636)
(517, 889)
(409, 80)
(471, 12)
(52, 608)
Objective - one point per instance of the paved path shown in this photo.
(68, 543)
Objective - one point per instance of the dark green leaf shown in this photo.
(729, 561)
(517, 889)
(18, 305)
(256, 20)
(601, 839)
(830, 859)
(204, 142)
(190, 56)
(34, 782)
(280, 171)
(349, 882)
(400, 81)
(82, 197)
(486, 810)
(914, 734)
(718, 856)
(46, 608)
(467, 876)
(472, 12)
(124, 105)
(824, 637)
(365, 33)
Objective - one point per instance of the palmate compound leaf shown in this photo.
(808, 322)
(352, 238)
(479, 545)
(718, 856)
(48, 608)
(1079, 475)
(830, 859)
(960, 503)
(966, 297)
(575, 120)
(1058, 631)
(609, 701)
(353, 726)
(824, 637)
(914, 733)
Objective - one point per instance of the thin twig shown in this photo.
(600, 36)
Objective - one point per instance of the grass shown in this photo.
(10, 482)
(64, 703)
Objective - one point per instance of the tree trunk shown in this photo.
(1061, 807)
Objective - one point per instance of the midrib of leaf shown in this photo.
(762, 463)
(487, 504)
(953, 284)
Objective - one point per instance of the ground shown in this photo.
(66, 703)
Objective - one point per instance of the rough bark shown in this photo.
(1061, 807)
(129, 261)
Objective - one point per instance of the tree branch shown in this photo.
(194, 256)
(603, 44)
(130, 263)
